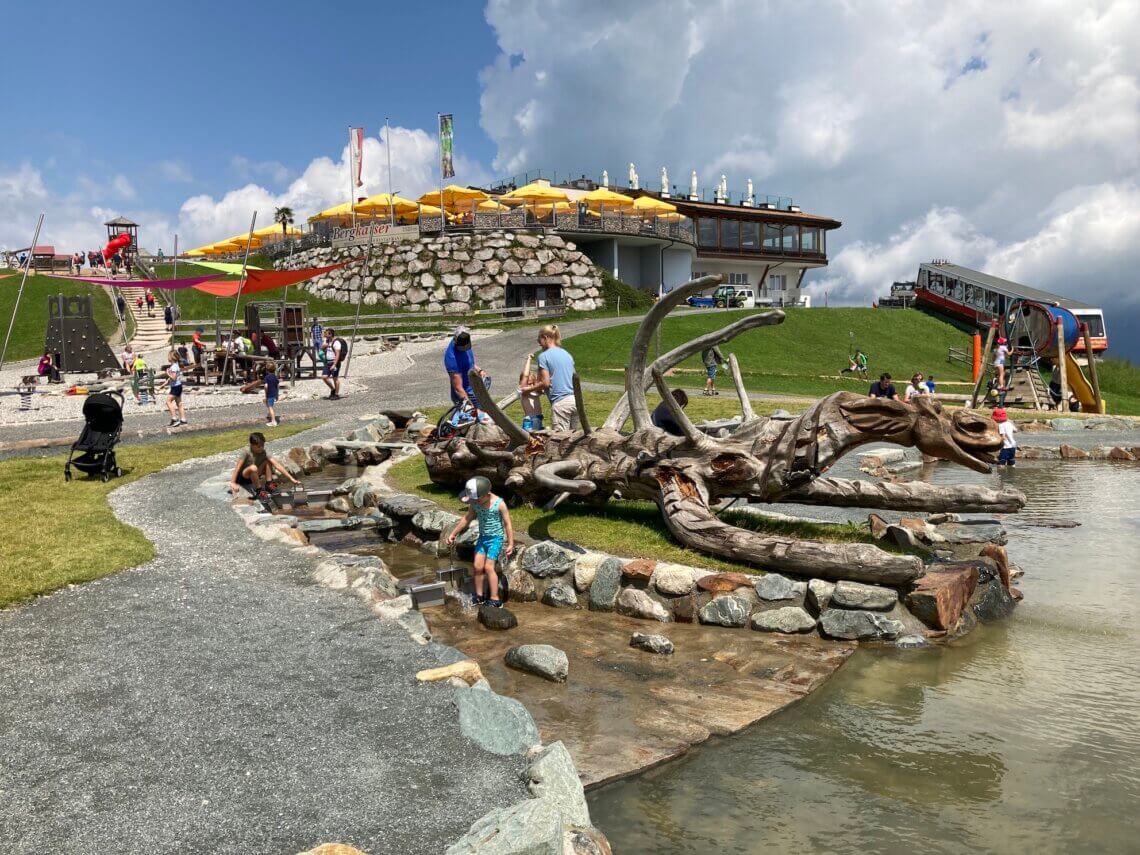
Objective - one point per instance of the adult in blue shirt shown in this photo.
(458, 360)
(555, 378)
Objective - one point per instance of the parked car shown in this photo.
(724, 297)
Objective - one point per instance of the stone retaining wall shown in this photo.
(455, 273)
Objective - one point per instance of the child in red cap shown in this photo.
(1008, 454)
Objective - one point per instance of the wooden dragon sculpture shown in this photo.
(764, 460)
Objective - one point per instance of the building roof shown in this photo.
(689, 208)
(43, 249)
(1005, 286)
(121, 221)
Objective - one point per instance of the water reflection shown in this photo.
(1024, 735)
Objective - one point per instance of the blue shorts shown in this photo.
(491, 547)
(270, 400)
(1007, 456)
(711, 371)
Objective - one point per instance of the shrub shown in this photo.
(632, 298)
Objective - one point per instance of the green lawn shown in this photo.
(58, 534)
(1120, 386)
(31, 320)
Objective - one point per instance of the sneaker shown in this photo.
(271, 424)
(263, 494)
(173, 423)
(271, 486)
(184, 422)
(478, 599)
(498, 604)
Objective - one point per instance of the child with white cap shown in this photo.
(496, 536)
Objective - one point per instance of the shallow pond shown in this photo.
(1024, 736)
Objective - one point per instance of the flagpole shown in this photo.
(20, 293)
(388, 148)
(351, 178)
(442, 213)
(174, 291)
(359, 303)
(237, 297)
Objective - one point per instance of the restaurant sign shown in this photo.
(378, 233)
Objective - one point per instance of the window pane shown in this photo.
(791, 239)
(730, 234)
(750, 235)
(771, 236)
(808, 240)
(707, 235)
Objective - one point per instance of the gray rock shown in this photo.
(339, 505)
(781, 415)
(310, 526)
(1065, 424)
(434, 521)
(495, 723)
(416, 425)
(911, 642)
(773, 586)
(349, 485)
(605, 586)
(542, 660)
(673, 580)
(361, 521)
(552, 775)
(402, 505)
(904, 537)
(789, 619)
(531, 827)
(365, 434)
(651, 643)
(636, 603)
(382, 520)
(856, 595)
(973, 531)
(416, 626)
(521, 586)
(727, 610)
(861, 625)
(364, 496)
(819, 593)
(561, 595)
(991, 601)
(546, 559)
(497, 617)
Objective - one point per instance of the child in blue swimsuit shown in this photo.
(496, 537)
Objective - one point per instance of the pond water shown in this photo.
(1024, 736)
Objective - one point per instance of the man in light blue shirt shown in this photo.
(555, 377)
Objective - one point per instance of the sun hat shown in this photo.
(475, 488)
(999, 416)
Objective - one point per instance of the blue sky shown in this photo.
(1001, 136)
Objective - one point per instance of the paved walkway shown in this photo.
(215, 700)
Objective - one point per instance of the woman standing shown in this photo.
(556, 378)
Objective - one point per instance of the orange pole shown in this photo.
(977, 357)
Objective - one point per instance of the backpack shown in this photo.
(343, 348)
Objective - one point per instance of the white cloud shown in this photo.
(122, 188)
(175, 171)
(253, 170)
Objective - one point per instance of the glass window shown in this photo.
(707, 231)
(750, 235)
(777, 282)
(771, 236)
(730, 234)
(738, 279)
(809, 240)
(791, 239)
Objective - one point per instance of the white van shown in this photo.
(746, 296)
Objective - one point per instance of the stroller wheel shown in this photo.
(106, 476)
(118, 472)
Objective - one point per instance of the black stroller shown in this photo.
(104, 425)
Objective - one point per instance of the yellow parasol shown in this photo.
(275, 231)
(554, 207)
(454, 196)
(337, 212)
(604, 198)
(492, 206)
(653, 205)
(382, 203)
(536, 193)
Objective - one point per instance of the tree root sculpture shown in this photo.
(764, 460)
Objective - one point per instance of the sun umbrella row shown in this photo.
(237, 243)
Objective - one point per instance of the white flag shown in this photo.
(356, 149)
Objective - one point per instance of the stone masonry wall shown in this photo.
(453, 273)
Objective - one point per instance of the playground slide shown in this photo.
(1079, 384)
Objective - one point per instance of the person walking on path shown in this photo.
(1008, 454)
(174, 391)
(496, 535)
(336, 349)
(556, 378)
(121, 305)
(168, 317)
(272, 387)
(711, 357)
(149, 304)
(884, 388)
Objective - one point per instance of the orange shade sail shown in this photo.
(267, 280)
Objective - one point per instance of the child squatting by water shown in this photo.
(496, 536)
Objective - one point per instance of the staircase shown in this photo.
(150, 332)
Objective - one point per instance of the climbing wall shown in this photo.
(73, 335)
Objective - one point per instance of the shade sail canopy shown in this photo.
(267, 280)
(337, 212)
(382, 203)
(537, 193)
(604, 198)
(229, 268)
(454, 195)
(166, 284)
(653, 205)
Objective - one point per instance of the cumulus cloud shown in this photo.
(174, 171)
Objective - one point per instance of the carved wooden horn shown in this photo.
(487, 404)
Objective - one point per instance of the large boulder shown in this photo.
(560, 595)
(938, 598)
(543, 660)
(725, 611)
(859, 625)
(497, 617)
(819, 593)
(651, 643)
(605, 586)
(788, 619)
(673, 580)
(435, 521)
(636, 603)
(552, 775)
(717, 583)
(640, 570)
(546, 559)
(991, 601)
(521, 586)
(530, 827)
(856, 595)
(773, 586)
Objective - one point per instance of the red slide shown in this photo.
(115, 244)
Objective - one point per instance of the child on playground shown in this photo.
(531, 401)
(174, 403)
(1008, 454)
(1000, 354)
(254, 469)
(496, 536)
(711, 357)
(272, 386)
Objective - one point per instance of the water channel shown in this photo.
(1024, 736)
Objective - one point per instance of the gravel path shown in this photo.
(216, 700)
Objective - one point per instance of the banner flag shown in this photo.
(446, 164)
(356, 148)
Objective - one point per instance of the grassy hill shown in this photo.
(31, 321)
(805, 353)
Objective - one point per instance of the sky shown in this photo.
(1003, 136)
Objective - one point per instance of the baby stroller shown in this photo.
(104, 425)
